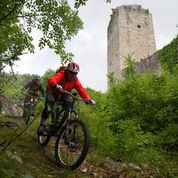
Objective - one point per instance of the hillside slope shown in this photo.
(39, 162)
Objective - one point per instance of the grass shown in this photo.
(38, 161)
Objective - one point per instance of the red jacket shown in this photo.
(67, 85)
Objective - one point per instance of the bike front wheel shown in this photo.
(71, 148)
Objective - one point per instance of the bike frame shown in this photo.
(30, 106)
(63, 123)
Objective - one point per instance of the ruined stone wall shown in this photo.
(130, 31)
(150, 64)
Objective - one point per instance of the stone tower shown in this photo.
(130, 31)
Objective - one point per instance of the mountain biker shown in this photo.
(64, 79)
(33, 88)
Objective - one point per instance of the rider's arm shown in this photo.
(81, 90)
(52, 81)
(28, 85)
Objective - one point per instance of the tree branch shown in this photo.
(10, 12)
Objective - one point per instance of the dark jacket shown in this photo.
(34, 87)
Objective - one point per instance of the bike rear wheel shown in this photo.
(44, 139)
(71, 152)
(28, 114)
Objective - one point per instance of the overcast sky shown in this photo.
(90, 45)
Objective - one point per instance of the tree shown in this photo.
(57, 21)
(13, 37)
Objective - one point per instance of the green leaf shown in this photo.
(14, 156)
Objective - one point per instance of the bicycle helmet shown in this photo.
(73, 67)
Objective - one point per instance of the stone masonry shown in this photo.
(150, 64)
(130, 31)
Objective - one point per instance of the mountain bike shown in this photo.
(30, 107)
(72, 134)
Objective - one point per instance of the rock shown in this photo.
(84, 170)
(112, 168)
(109, 164)
(95, 174)
(9, 125)
(98, 172)
(135, 167)
(10, 107)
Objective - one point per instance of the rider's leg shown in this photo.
(50, 100)
(26, 100)
(67, 103)
(35, 95)
(49, 103)
(45, 114)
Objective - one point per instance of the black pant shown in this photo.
(51, 98)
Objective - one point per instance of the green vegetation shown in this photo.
(169, 55)
(26, 158)
(136, 121)
(56, 20)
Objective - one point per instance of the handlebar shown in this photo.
(63, 91)
(75, 97)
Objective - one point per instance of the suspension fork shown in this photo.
(67, 129)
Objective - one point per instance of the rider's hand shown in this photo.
(90, 101)
(58, 87)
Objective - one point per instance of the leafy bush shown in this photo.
(97, 121)
(143, 116)
(168, 55)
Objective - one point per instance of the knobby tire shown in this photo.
(84, 151)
